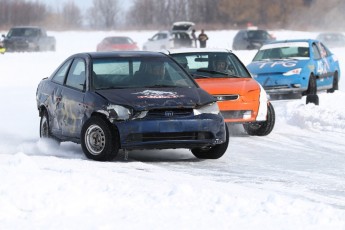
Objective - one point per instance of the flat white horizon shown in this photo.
(290, 179)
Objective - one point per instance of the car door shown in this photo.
(72, 99)
(54, 106)
(323, 65)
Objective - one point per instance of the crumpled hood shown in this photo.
(149, 98)
(276, 66)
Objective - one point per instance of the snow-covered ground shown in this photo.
(291, 179)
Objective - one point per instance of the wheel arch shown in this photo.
(111, 125)
(42, 109)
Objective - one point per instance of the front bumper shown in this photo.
(192, 132)
(280, 84)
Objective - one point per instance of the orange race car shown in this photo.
(241, 99)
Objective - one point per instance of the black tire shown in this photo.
(45, 130)
(312, 99)
(335, 83)
(213, 152)
(44, 125)
(99, 140)
(262, 128)
(312, 87)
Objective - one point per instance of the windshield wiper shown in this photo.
(161, 86)
(217, 72)
(199, 76)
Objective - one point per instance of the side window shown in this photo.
(76, 76)
(316, 52)
(323, 50)
(59, 76)
(155, 37)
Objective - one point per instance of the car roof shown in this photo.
(196, 50)
(327, 33)
(25, 27)
(183, 23)
(182, 26)
(121, 54)
(254, 30)
(293, 40)
(279, 43)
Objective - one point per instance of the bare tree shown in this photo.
(19, 12)
(71, 15)
(104, 13)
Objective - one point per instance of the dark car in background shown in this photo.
(129, 100)
(115, 43)
(2, 48)
(250, 39)
(28, 38)
(332, 39)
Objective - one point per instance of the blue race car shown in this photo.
(300, 67)
(108, 101)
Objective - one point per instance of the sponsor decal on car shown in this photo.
(158, 94)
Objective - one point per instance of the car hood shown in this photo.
(276, 66)
(151, 98)
(216, 86)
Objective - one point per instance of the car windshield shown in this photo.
(134, 72)
(274, 51)
(119, 40)
(258, 34)
(22, 32)
(212, 64)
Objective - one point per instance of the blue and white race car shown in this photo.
(302, 67)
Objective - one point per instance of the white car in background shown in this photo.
(178, 37)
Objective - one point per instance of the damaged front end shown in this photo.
(121, 113)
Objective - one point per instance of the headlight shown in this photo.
(292, 72)
(118, 112)
(210, 108)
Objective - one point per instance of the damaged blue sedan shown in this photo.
(129, 100)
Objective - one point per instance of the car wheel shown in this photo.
(44, 125)
(262, 128)
(213, 152)
(312, 98)
(335, 85)
(99, 140)
(312, 88)
(45, 131)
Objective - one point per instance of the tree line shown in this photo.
(157, 14)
